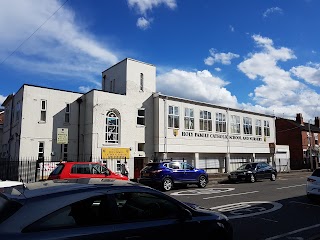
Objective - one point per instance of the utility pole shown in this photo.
(309, 141)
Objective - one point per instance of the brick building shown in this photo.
(303, 141)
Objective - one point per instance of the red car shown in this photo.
(83, 170)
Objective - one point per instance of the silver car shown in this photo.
(313, 184)
(104, 209)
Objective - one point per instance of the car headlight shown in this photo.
(249, 172)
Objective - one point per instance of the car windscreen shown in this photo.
(152, 166)
(57, 170)
(247, 166)
(316, 173)
(8, 208)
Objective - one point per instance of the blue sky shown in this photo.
(261, 56)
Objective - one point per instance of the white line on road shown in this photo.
(293, 232)
(292, 186)
(229, 195)
(266, 219)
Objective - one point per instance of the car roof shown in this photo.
(57, 186)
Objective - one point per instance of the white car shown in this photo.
(313, 184)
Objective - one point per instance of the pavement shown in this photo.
(215, 178)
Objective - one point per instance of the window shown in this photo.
(141, 206)
(173, 117)
(205, 121)
(41, 150)
(141, 146)
(258, 128)
(316, 141)
(43, 116)
(112, 128)
(67, 113)
(65, 152)
(221, 122)
(140, 118)
(235, 124)
(266, 128)
(188, 119)
(141, 81)
(18, 109)
(247, 125)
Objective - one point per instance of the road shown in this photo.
(262, 210)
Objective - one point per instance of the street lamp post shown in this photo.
(309, 141)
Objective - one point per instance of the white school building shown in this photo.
(129, 120)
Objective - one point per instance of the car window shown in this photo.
(81, 169)
(8, 208)
(89, 212)
(152, 166)
(145, 207)
(186, 166)
(174, 165)
(264, 165)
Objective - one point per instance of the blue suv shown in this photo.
(167, 174)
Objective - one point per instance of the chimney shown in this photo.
(317, 122)
(299, 119)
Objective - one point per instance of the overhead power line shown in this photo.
(34, 32)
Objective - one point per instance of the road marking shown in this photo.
(293, 232)
(292, 186)
(203, 191)
(247, 209)
(306, 204)
(267, 219)
(229, 195)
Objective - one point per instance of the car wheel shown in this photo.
(252, 179)
(202, 181)
(167, 184)
(273, 177)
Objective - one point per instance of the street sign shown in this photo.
(62, 136)
(113, 153)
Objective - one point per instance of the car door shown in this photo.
(259, 171)
(267, 170)
(190, 175)
(82, 170)
(177, 171)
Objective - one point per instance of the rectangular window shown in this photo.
(258, 127)
(188, 119)
(173, 117)
(141, 81)
(205, 121)
(43, 116)
(18, 110)
(41, 150)
(247, 125)
(67, 113)
(140, 118)
(65, 152)
(141, 147)
(316, 141)
(266, 128)
(221, 124)
(235, 124)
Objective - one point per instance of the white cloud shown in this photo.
(279, 93)
(272, 10)
(85, 89)
(2, 98)
(218, 69)
(309, 73)
(223, 58)
(143, 23)
(61, 45)
(199, 85)
(231, 28)
(142, 6)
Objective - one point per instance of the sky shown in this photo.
(260, 56)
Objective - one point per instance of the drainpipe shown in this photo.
(79, 101)
(165, 156)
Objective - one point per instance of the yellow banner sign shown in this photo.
(115, 153)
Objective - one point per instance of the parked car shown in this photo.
(171, 173)
(104, 209)
(313, 185)
(83, 170)
(8, 185)
(252, 172)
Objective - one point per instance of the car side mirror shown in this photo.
(185, 214)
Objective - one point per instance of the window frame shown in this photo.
(141, 82)
(266, 128)
(247, 125)
(41, 153)
(67, 112)
(188, 118)
(173, 117)
(112, 116)
(141, 117)
(205, 121)
(43, 110)
(221, 123)
(258, 127)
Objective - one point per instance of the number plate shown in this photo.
(233, 176)
(146, 174)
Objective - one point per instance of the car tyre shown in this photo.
(273, 177)
(252, 179)
(202, 181)
(167, 184)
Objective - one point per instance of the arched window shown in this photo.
(112, 128)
